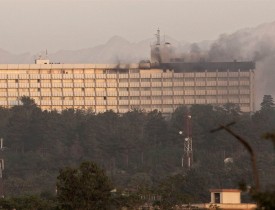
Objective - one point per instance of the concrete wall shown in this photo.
(230, 197)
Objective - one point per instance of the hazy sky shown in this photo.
(35, 25)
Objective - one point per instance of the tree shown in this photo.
(83, 188)
(267, 103)
(171, 192)
(27, 202)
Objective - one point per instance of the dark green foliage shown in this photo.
(83, 188)
(265, 200)
(137, 150)
(172, 193)
(28, 203)
(267, 104)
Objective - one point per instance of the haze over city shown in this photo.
(35, 25)
(134, 104)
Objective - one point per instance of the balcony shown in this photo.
(34, 93)
(78, 93)
(56, 85)
(45, 102)
(134, 75)
(145, 84)
(123, 102)
(244, 91)
(200, 92)
(134, 93)
(57, 94)
(3, 94)
(200, 101)
(103, 85)
(56, 76)
(23, 76)
(3, 85)
(189, 92)
(134, 102)
(67, 84)
(47, 85)
(189, 84)
(45, 76)
(79, 76)
(13, 76)
(124, 84)
(233, 83)
(24, 85)
(68, 76)
(157, 102)
(222, 83)
(123, 93)
(112, 102)
(244, 100)
(156, 93)
(144, 102)
(134, 84)
(178, 84)
(233, 92)
(212, 83)
(156, 84)
(222, 92)
(211, 92)
(3, 76)
(167, 84)
(111, 84)
(46, 94)
(145, 93)
(90, 102)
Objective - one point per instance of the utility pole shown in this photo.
(2, 166)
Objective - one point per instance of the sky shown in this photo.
(36, 25)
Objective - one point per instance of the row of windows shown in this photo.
(138, 98)
(114, 94)
(130, 89)
(114, 73)
(125, 85)
(130, 80)
(126, 103)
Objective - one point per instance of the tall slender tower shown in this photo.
(188, 150)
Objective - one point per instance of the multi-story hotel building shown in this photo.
(123, 87)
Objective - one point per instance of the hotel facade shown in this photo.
(120, 88)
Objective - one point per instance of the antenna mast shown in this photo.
(158, 37)
(188, 150)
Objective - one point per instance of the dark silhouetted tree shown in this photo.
(83, 188)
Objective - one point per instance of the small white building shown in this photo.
(227, 199)
(225, 196)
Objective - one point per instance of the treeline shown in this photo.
(138, 150)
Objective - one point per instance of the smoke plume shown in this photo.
(250, 44)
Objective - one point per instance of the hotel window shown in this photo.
(38, 80)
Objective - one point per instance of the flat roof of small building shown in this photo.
(225, 190)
